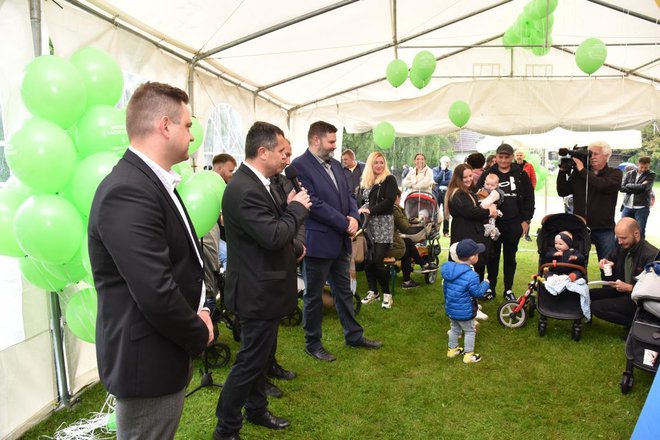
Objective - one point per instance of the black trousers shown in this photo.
(612, 306)
(375, 269)
(246, 383)
(412, 254)
(441, 206)
(511, 232)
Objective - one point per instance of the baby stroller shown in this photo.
(643, 341)
(422, 210)
(566, 305)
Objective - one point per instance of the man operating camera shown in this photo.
(594, 187)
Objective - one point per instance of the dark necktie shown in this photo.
(628, 268)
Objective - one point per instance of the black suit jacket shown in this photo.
(149, 279)
(261, 280)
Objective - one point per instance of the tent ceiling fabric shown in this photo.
(334, 62)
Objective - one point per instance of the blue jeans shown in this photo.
(604, 241)
(222, 252)
(315, 272)
(639, 214)
(455, 332)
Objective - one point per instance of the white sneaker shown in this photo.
(371, 297)
(387, 301)
(481, 315)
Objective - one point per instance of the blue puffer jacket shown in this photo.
(461, 286)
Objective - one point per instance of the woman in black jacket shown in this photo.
(379, 191)
(468, 217)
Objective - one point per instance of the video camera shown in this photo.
(566, 156)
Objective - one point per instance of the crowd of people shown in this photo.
(154, 278)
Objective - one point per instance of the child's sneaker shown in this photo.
(371, 297)
(410, 284)
(471, 358)
(387, 301)
(490, 295)
(453, 352)
(509, 296)
(481, 315)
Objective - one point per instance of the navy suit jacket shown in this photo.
(326, 225)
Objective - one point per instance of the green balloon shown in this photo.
(198, 133)
(102, 77)
(542, 25)
(53, 89)
(417, 80)
(397, 72)
(41, 155)
(424, 63)
(101, 129)
(10, 201)
(84, 256)
(86, 178)
(213, 180)
(184, 170)
(71, 271)
(590, 55)
(459, 113)
(111, 424)
(202, 205)
(37, 275)
(384, 135)
(80, 315)
(511, 38)
(534, 159)
(541, 51)
(540, 8)
(541, 177)
(48, 228)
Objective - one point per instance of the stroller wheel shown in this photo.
(543, 325)
(532, 306)
(431, 277)
(627, 381)
(216, 355)
(292, 319)
(357, 302)
(577, 331)
(508, 317)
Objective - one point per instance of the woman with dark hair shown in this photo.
(468, 217)
(490, 161)
(419, 178)
(477, 162)
(379, 191)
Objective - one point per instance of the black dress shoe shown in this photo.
(277, 372)
(268, 420)
(321, 354)
(272, 390)
(366, 343)
(218, 436)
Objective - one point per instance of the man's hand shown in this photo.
(364, 211)
(205, 316)
(299, 259)
(622, 287)
(492, 211)
(603, 262)
(578, 164)
(525, 228)
(352, 225)
(301, 197)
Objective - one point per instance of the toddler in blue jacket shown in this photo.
(462, 288)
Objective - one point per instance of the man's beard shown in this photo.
(326, 155)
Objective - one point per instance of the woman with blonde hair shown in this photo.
(468, 217)
(379, 190)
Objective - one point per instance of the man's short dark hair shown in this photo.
(150, 102)
(261, 134)
(349, 152)
(644, 160)
(223, 158)
(320, 129)
(476, 161)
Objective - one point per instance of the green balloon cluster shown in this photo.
(459, 113)
(384, 135)
(86, 178)
(102, 76)
(80, 315)
(102, 128)
(533, 27)
(422, 69)
(590, 55)
(396, 73)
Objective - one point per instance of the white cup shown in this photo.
(607, 269)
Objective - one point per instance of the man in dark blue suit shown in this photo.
(332, 221)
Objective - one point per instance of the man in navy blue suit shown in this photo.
(332, 221)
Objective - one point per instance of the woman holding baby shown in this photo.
(468, 217)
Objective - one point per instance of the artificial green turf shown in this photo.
(525, 387)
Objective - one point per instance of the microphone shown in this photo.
(291, 173)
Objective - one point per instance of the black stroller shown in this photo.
(422, 208)
(565, 306)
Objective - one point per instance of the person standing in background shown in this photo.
(529, 169)
(637, 186)
(352, 168)
(223, 164)
(147, 269)
(419, 178)
(476, 161)
(442, 176)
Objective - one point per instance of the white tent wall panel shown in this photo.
(28, 391)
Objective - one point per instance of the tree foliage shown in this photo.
(650, 146)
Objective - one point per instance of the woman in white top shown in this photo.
(419, 178)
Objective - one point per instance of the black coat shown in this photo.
(639, 190)
(468, 221)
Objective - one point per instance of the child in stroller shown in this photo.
(489, 194)
(563, 252)
(422, 210)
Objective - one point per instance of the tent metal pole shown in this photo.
(383, 47)
(625, 11)
(394, 33)
(55, 315)
(274, 28)
(35, 21)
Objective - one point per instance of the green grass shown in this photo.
(525, 387)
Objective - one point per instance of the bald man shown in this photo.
(612, 303)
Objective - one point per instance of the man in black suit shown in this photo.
(147, 270)
(261, 282)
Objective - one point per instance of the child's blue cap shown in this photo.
(468, 247)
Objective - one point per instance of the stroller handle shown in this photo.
(559, 264)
